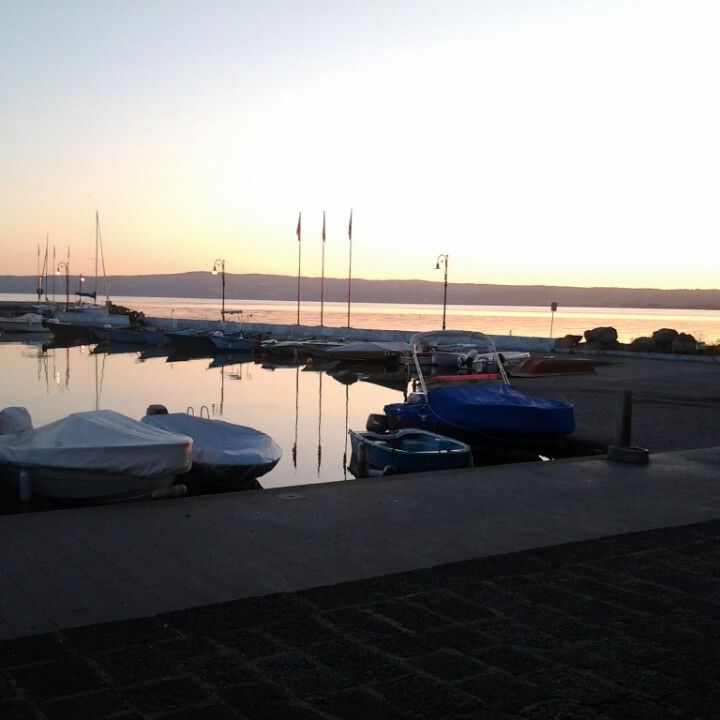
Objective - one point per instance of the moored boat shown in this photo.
(225, 456)
(94, 456)
(405, 451)
(479, 412)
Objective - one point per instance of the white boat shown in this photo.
(236, 342)
(94, 456)
(225, 456)
(30, 322)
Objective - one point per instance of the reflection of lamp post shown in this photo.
(221, 264)
(444, 260)
(65, 266)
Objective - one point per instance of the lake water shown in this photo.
(530, 321)
(305, 410)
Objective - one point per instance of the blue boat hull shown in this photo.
(470, 411)
(406, 451)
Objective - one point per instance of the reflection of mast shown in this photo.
(99, 378)
(347, 405)
(320, 376)
(297, 412)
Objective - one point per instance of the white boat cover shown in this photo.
(99, 440)
(217, 443)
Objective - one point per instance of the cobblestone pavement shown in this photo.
(622, 627)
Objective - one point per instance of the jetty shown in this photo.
(580, 587)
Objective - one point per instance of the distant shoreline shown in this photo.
(199, 284)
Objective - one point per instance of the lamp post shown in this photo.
(444, 260)
(65, 266)
(221, 265)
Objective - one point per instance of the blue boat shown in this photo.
(405, 451)
(478, 412)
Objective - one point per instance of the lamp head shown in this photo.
(437, 265)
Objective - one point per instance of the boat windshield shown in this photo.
(453, 341)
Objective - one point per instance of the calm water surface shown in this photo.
(305, 410)
(530, 321)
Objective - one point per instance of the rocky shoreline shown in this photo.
(664, 340)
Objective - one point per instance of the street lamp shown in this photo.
(444, 260)
(219, 266)
(65, 266)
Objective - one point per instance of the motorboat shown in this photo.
(369, 351)
(478, 411)
(405, 451)
(29, 322)
(225, 456)
(460, 351)
(235, 342)
(93, 456)
(131, 335)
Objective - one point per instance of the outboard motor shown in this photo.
(156, 410)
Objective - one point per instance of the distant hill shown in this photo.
(280, 287)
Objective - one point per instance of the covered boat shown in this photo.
(225, 456)
(405, 451)
(494, 409)
(480, 411)
(97, 456)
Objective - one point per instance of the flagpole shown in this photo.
(322, 274)
(299, 235)
(349, 266)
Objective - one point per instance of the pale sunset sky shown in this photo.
(548, 142)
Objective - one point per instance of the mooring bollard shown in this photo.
(622, 450)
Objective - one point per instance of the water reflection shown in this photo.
(290, 400)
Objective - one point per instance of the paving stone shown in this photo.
(32, 649)
(502, 691)
(166, 695)
(58, 678)
(123, 634)
(359, 704)
(88, 706)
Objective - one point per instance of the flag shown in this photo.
(299, 228)
(323, 236)
(350, 227)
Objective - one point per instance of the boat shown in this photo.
(551, 366)
(29, 322)
(235, 342)
(460, 351)
(405, 451)
(225, 456)
(93, 456)
(131, 335)
(309, 347)
(369, 351)
(477, 412)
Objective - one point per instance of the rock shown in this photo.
(643, 344)
(605, 337)
(664, 337)
(569, 341)
(684, 344)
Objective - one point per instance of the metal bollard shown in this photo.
(622, 450)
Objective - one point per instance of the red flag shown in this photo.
(323, 236)
(350, 227)
(298, 231)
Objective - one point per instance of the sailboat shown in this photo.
(79, 320)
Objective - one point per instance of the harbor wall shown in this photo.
(291, 331)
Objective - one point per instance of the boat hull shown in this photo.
(406, 451)
(74, 484)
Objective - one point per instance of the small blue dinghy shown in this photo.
(409, 450)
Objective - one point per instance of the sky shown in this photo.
(563, 142)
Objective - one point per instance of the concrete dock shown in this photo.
(578, 588)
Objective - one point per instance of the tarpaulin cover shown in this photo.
(495, 408)
(101, 440)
